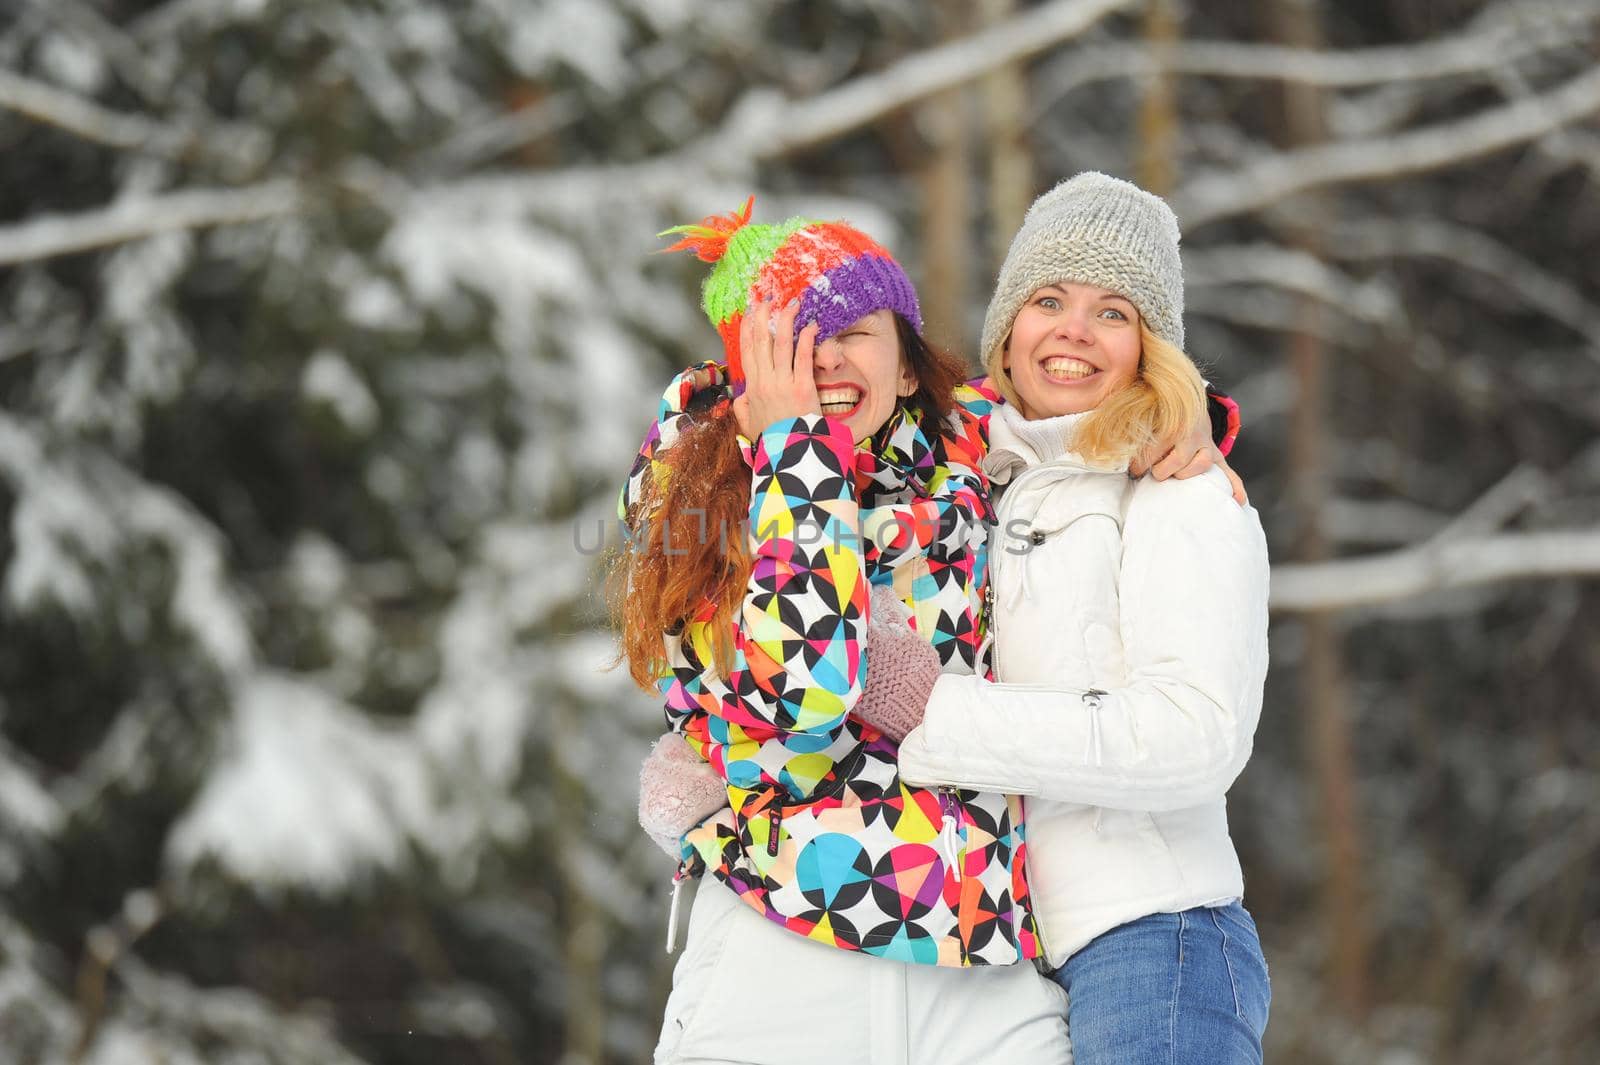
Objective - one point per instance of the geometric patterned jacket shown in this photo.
(821, 835)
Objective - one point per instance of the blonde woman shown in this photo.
(1129, 623)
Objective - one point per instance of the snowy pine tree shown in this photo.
(327, 330)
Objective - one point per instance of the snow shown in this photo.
(309, 791)
(438, 247)
(203, 602)
(495, 353)
(591, 38)
(479, 716)
(375, 304)
(72, 61)
(27, 813)
(330, 380)
(56, 519)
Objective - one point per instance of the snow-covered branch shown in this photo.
(75, 114)
(1468, 53)
(828, 115)
(1256, 185)
(1471, 250)
(1437, 565)
(764, 125)
(135, 217)
(1293, 271)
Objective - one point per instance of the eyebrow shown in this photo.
(1102, 297)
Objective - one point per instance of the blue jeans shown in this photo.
(1170, 988)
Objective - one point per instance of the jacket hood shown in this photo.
(692, 396)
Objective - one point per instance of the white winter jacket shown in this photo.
(1130, 628)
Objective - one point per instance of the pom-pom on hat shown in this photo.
(838, 273)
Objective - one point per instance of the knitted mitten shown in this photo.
(901, 668)
(677, 790)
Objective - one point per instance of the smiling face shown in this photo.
(860, 373)
(1071, 346)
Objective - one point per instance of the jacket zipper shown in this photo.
(1042, 961)
(672, 909)
(949, 832)
(1090, 696)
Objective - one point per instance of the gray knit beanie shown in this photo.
(1095, 230)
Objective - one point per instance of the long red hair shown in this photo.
(682, 568)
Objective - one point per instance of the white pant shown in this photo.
(749, 992)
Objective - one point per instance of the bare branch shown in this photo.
(1294, 271)
(56, 107)
(169, 18)
(1515, 492)
(1471, 250)
(1256, 185)
(1467, 53)
(130, 219)
(506, 131)
(1385, 522)
(1452, 563)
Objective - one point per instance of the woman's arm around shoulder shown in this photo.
(1177, 732)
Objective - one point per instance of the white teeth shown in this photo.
(841, 398)
(1067, 368)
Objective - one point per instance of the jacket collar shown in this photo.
(899, 457)
(1015, 443)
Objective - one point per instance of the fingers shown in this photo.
(1181, 462)
(778, 366)
(755, 343)
(805, 379)
(1240, 496)
(741, 416)
(1196, 466)
(783, 353)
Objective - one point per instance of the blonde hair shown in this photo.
(1165, 398)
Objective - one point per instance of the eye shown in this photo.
(1049, 303)
(1114, 314)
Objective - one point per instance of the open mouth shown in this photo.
(1067, 368)
(839, 401)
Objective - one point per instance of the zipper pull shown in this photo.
(983, 661)
(672, 910)
(1091, 751)
(949, 834)
(774, 822)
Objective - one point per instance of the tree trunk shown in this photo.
(1156, 167)
(1326, 698)
(946, 196)
(1009, 155)
(583, 945)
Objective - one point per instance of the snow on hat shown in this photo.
(838, 273)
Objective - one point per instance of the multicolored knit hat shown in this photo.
(838, 272)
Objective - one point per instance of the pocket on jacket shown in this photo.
(713, 923)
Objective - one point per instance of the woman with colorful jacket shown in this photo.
(843, 903)
(1130, 640)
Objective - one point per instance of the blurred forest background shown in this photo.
(328, 329)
